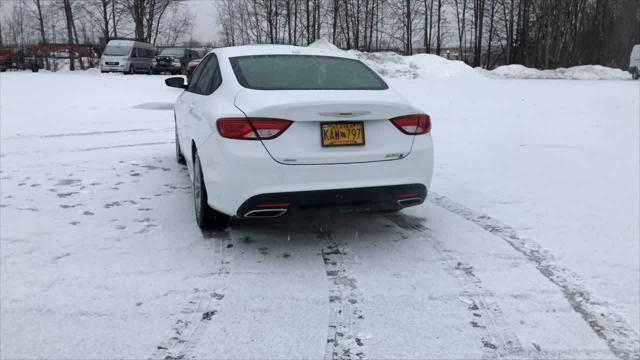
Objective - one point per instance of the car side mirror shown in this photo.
(176, 82)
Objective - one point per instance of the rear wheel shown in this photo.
(636, 75)
(206, 217)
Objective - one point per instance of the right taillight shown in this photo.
(413, 124)
(251, 128)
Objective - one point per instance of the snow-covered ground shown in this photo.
(527, 248)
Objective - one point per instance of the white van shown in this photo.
(128, 57)
(634, 62)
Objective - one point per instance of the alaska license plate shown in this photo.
(342, 133)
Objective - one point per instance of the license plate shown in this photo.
(342, 133)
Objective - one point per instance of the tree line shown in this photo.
(26, 22)
(535, 33)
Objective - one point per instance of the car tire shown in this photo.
(179, 156)
(206, 217)
(636, 75)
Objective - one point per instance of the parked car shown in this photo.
(6, 59)
(201, 51)
(193, 63)
(3, 62)
(173, 60)
(634, 62)
(127, 56)
(267, 130)
(192, 66)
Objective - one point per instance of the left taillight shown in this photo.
(252, 128)
(413, 124)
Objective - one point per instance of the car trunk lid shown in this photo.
(301, 143)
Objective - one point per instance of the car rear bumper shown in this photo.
(390, 197)
(240, 173)
(162, 67)
(112, 68)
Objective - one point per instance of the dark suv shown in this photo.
(173, 60)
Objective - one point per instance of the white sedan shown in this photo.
(266, 130)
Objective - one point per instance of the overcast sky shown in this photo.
(204, 28)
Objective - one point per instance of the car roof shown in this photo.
(251, 50)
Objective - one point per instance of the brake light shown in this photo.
(252, 128)
(413, 124)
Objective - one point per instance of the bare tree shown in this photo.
(99, 11)
(478, 23)
(176, 24)
(408, 49)
(69, 17)
(461, 7)
(1, 25)
(428, 24)
(43, 37)
(493, 4)
(438, 27)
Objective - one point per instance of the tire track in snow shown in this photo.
(607, 323)
(90, 133)
(202, 307)
(343, 338)
(97, 148)
(498, 341)
(124, 146)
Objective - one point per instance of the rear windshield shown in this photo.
(117, 50)
(304, 72)
(172, 52)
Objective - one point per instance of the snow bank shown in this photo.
(434, 66)
(388, 64)
(324, 44)
(392, 65)
(429, 66)
(584, 72)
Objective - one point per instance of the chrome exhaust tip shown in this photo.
(410, 201)
(265, 213)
